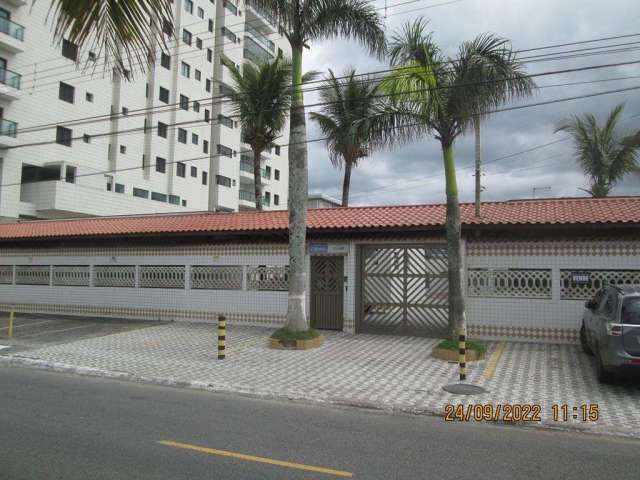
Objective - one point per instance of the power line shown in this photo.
(325, 138)
(223, 97)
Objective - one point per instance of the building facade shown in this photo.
(149, 141)
(528, 267)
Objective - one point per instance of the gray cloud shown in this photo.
(413, 173)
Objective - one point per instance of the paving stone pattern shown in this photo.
(394, 373)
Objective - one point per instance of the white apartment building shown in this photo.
(162, 140)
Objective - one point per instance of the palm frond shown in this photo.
(358, 19)
(125, 32)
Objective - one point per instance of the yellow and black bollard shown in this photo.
(462, 355)
(12, 314)
(222, 336)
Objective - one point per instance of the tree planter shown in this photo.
(296, 344)
(452, 355)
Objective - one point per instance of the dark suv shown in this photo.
(611, 330)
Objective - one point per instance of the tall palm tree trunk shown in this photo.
(257, 178)
(456, 301)
(298, 189)
(476, 125)
(348, 164)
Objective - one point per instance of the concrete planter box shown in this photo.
(296, 344)
(452, 355)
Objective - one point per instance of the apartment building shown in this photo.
(77, 139)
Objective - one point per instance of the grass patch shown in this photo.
(288, 335)
(453, 345)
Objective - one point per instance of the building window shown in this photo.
(211, 25)
(182, 135)
(188, 6)
(165, 60)
(89, 97)
(63, 136)
(66, 92)
(199, 43)
(229, 34)
(207, 115)
(123, 149)
(164, 95)
(158, 197)
(174, 199)
(208, 85)
(225, 151)
(119, 188)
(278, 150)
(194, 139)
(200, 12)
(184, 102)
(205, 178)
(205, 146)
(185, 70)
(196, 106)
(209, 55)
(69, 50)
(226, 121)
(92, 56)
(125, 111)
(70, 174)
(140, 193)
(194, 172)
(186, 37)
(267, 198)
(276, 199)
(224, 181)
(167, 27)
(161, 165)
(162, 130)
(181, 169)
(276, 174)
(230, 6)
(109, 180)
(198, 75)
(86, 138)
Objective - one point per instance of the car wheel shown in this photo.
(583, 341)
(604, 375)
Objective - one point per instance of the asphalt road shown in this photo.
(56, 426)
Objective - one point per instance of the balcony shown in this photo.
(248, 200)
(257, 13)
(260, 38)
(8, 133)
(246, 171)
(255, 53)
(11, 36)
(9, 84)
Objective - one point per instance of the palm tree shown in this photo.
(260, 99)
(353, 115)
(440, 96)
(126, 32)
(604, 154)
(302, 22)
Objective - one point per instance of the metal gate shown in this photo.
(326, 293)
(403, 290)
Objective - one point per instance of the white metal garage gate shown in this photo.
(403, 290)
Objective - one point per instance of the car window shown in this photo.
(630, 313)
(609, 303)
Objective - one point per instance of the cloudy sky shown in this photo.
(413, 174)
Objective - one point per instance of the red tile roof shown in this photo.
(585, 211)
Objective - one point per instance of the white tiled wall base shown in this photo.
(550, 319)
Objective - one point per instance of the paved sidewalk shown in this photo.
(393, 373)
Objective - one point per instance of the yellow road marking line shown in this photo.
(251, 458)
(490, 369)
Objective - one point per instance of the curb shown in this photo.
(300, 397)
